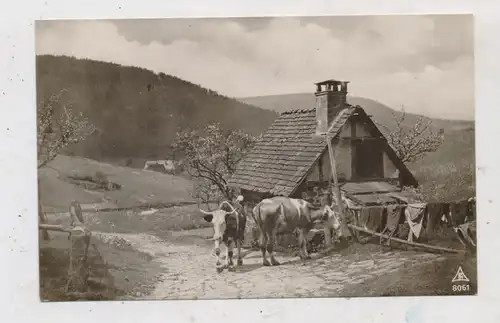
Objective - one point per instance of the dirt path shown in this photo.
(189, 271)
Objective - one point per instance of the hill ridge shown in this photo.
(380, 111)
(138, 111)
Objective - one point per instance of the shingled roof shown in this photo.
(286, 152)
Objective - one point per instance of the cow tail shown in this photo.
(282, 210)
(237, 225)
(258, 220)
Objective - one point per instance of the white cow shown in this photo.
(229, 228)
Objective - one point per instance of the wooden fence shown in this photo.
(79, 237)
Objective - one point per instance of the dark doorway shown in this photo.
(369, 160)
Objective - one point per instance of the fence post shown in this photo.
(78, 272)
(42, 219)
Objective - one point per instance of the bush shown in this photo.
(100, 177)
(97, 182)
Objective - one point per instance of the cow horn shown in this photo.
(222, 203)
(232, 208)
(205, 212)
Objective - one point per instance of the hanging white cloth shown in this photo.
(414, 214)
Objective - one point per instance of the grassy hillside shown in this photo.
(447, 174)
(137, 187)
(136, 111)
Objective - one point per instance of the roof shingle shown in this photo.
(285, 153)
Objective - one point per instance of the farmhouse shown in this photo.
(292, 160)
(162, 166)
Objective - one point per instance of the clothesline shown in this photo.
(441, 202)
(374, 206)
(405, 204)
(371, 217)
(395, 196)
(411, 243)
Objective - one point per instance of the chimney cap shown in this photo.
(331, 82)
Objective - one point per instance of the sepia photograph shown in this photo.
(256, 157)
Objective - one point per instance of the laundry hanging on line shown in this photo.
(414, 214)
(419, 216)
(459, 211)
(436, 212)
(394, 213)
(371, 218)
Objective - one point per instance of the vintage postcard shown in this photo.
(262, 157)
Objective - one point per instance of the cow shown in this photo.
(282, 214)
(229, 228)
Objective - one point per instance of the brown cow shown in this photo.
(282, 214)
(229, 228)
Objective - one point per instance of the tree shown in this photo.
(55, 132)
(206, 192)
(210, 155)
(53, 138)
(412, 143)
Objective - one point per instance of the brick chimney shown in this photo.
(331, 96)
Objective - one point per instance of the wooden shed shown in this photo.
(292, 160)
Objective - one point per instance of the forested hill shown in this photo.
(136, 111)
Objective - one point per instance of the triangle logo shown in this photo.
(460, 276)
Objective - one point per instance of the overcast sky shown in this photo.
(424, 63)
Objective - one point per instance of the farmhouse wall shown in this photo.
(321, 171)
(346, 130)
(313, 192)
(390, 170)
(361, 130)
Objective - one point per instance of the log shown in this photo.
(333, 166)
(63, 228)
(415, 244)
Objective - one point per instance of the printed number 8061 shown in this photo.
(461, 288)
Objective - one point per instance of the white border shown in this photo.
(18, 238)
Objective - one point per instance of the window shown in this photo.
(368, 159)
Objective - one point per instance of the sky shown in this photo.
(422, 63)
